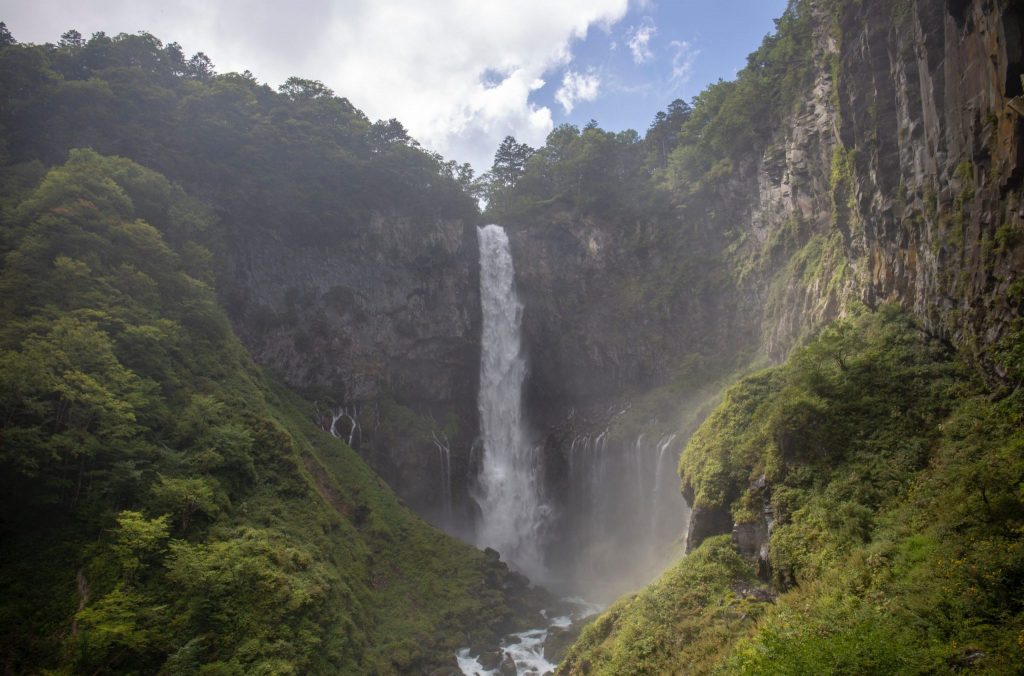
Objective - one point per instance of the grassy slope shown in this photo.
(896, 486)
(166, 507)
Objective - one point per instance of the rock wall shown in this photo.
(381, 320)
(909, 147)
(897, 180)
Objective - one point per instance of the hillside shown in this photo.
(167, 506)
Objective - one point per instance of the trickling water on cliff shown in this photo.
(509, 485)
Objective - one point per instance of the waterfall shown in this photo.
(508, 488)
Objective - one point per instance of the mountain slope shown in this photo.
(876, 490)
(345, 254)
(166, 506)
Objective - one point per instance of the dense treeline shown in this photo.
(685, 157)
(301, 155)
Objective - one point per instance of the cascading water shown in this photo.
(445, 456)
(623, 519)
(509, 485)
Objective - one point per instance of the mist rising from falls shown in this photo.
(509, 484)
(623, 518)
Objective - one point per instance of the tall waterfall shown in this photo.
(509, 485)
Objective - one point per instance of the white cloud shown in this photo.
(682, 60)
(457, 73)
(577, 87)
(640, 39)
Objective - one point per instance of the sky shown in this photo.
(459, 74)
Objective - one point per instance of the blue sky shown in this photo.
(459, 74)
(704, 39)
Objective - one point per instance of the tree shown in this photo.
(6, 39)
(138, 541)
(186, 497)
(175, 57)
(386, 133)
(510, 162)
(71, 39)
(663, 134)
(200, 67)
(301, 89)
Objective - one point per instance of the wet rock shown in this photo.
(752, 538)
(755, 593)
(446, 671)
(559, 640)
(967, 659)
(706, 522)
(490, 659)
(508, 666)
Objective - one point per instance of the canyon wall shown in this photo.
(379, 324)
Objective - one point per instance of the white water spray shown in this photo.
(509, 484)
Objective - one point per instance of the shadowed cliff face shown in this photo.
(381, 320)
(936, 191)
(614, 309)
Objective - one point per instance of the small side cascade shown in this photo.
(624, 519)
(340, 417)
(444, 451)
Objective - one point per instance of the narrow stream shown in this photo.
(526, 649)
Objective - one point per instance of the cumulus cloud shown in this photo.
(577, 87)
(457, 73)
(640, 40)
(683, 56)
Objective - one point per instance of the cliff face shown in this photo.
(380, 324)
(928, 94)
(611, 310)
(908, 148)
(897, 180)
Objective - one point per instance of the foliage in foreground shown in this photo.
(165, 507)
(896, 486)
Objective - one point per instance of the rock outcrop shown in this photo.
(381, 321)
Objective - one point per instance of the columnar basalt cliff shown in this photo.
(909, 147)
(898, 179)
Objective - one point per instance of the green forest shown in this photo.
(855, 480)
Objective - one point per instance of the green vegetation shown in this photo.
(684, 619)
(686, 155)
(167, 508)
(301, 156)
(895, 485)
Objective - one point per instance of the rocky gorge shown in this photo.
(770, 351)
